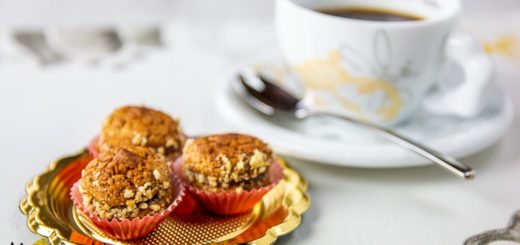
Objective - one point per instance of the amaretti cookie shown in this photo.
(126, 183)
(132, 183)
(220, 168)
(142, 126)
(227, 161)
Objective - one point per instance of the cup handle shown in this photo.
(464, 78)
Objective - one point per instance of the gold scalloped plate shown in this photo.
(50, 213)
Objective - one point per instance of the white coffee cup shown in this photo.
(383, 71)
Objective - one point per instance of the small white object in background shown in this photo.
(116, 47)
(462, 96)
(13, 53)
(90, 43)
(35, 44)
(96, 46)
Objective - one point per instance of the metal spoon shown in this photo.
(270, 99)
(510, 233)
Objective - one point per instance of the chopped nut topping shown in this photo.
(155, 207)
(200, 178)
(171, 143)
(226, 158)
(81, 189)
(139, 196)
(259, 159)
(136, 140)
(128, 193)
(160, 150)
(86, 199)
(143, 205)
(130, 204)
(210, 183)
(149, 194)
(240, 165)
(156, 174)
(144, 141)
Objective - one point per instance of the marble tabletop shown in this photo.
(47, 112)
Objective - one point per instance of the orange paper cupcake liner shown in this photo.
(127, 229)
(230, 202)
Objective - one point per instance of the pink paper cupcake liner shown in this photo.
(93, 146)
(127, 229)
(230, 202)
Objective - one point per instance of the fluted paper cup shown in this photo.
(93, 146)
(230, 202)
(127, 229)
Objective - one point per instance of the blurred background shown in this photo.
(240, 27)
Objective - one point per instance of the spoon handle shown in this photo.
(437, 157)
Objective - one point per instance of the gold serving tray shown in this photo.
(50, 213)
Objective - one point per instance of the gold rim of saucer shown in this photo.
(45, 220)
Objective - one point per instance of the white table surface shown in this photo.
(49, 112)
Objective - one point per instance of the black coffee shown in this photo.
(373, 14)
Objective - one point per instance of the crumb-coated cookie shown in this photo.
(227, 161)
(126, 183)
(142, 126)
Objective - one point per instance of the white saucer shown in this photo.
(330, 141)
